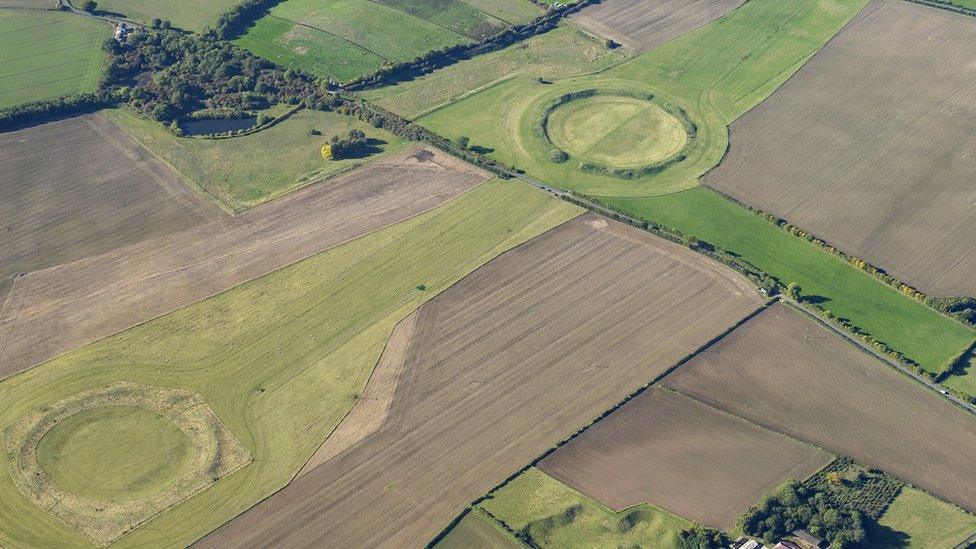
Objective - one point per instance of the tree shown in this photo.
(463, 142)
(157, 23)
(90, 6)
(793, 290)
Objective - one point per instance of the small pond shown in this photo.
(207, 126)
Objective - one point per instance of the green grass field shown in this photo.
(191, 15)
(281, 359)
(48, 55)
(477, 529)
(964, 378)
(616, 131)
(348, 38)
(917, 520)
(561, 52)
(905, 324)
(115, 453)
(510, 11)
(31, 4)
(555, 515)
(245, 171)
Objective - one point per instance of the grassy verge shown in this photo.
(280, 359)
(552, 514)
(917, 520)
(245, 171)
(910, 327)
(47, 55)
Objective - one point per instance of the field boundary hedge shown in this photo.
(945, 5)
(36, 113)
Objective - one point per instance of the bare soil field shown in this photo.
(502, 365)
(870, 146)
(681, 455)
(640, 25)
(784, 371)
(54, 310)
(79, 187)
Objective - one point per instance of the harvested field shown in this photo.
(784, 371)
(57, 309)
(590, 309)
(869, 146)
(681, 455)
(641, 25)
(105, 191)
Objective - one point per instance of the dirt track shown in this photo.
(870, 146)
(52, 311)
(786, 372)
(78, 187)
(510, 360)
(640, 25)
(683, 456)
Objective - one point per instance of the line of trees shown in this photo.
(38, 112)
(233, 22)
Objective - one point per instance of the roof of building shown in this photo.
(808, 537)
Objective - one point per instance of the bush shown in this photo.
(89, 6)
(558, 156)
(343, 147)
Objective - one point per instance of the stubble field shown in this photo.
(681, 455)
(783, 371)
(590, 309)
(57, 309)
(870, 146)
(641, 25)
(103, 192)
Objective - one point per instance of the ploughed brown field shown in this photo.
(786, 372)
(52, 311)
(683, 456)
(78, 187)
(501, 366)
(640, 25)
(871, 147)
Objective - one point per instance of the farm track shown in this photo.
(886, 170)
(785, 372)
(503, 365)
(639, 26)
(67, 306)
